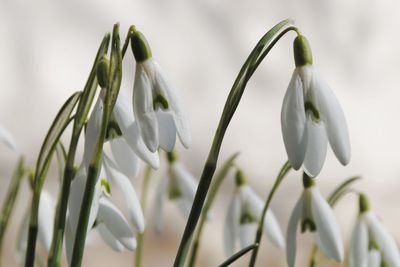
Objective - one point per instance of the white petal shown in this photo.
(7, 138)
(160, 198)
(167, 130)
(116, 223)
(359, 245)
(186, 181)
(335, 121)
(374, 258)
(109, 238)
(22, 239)
(143, 109)
(316, 148)
(129, 193)
(164, 87)
(123, 113)
(328, 235)
(126, 160)
(271, 225)
(231, 229)
(247, 234)
(75, 200)
(93, 131)
(184, 206)
(291, 240)
(386, 243)
(293, 122)
(46, 219)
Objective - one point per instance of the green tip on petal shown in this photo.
(102, 72)
(247, 218)
(160, 101)
(302, 51)
(140, 47)
(308, 181)
(308, 224)
(240, 178)
(106, 186)
(171, 156)
(363, 202)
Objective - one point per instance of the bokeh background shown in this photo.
(47, 49)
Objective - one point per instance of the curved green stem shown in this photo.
(333, 199)
(237, 255)
(282, 174)
(210, 200)
(259, 52)
(143, 203)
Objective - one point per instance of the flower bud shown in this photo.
(302, 51)
(102, 72)
(140, 47)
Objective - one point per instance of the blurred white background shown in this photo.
(47, 50)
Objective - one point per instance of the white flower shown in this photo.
(45, 226)
(242, 219)
(180, 187)
(371, 245)
(157, 109)
(314, 214)
(310, 117)
(7, 138)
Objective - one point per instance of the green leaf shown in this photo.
(56, 129)
(89, 90)
(9, 202)
(237, 255)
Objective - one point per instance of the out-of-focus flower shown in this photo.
(45, 226)
(157, 109)
(243, 216)
(311, 116)
(314, 214)
(179, 186)
(371, 244)
(7, 138)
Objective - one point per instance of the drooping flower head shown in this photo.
(157, 109)
(178, 187)
(315, 215)
(311, 116)
(243, 216)
(371, 244)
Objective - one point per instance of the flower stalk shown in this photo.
(262, 48)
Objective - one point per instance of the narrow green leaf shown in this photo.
(9, 202)
(89, 90)
(56, 129)
(237, 255)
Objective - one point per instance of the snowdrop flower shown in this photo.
(45, 226)
(7, 138)
(114, 229)
(243, 216)
(157, 109)
(315, 215)
(371, 244)
(311, 116)
(179, 186)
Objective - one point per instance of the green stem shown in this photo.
(209, 201)
(143, 203)
(259, 52)
(9, 202)
(282, 174)
(237, 255)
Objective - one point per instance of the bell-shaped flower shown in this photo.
(45, 227)
(371, 244)
(313, 213)
(179, 187)
(157, 109)
(114, 229)
(125, 186)
(7, 138)
(311, 116)
(243, 216)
